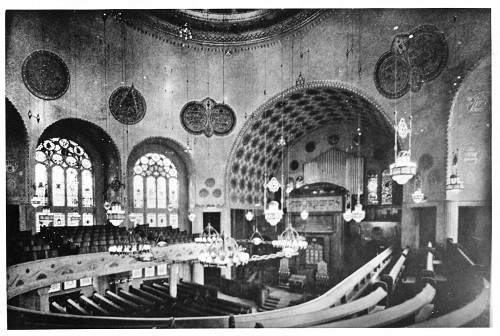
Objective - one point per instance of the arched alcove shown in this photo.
(102, 152)
(293, 114)
(183, 163)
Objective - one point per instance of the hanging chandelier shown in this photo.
(256, 237)
(455, 183)
(185, 32)
(141, 252)
(46, 217)
(223, 251)
(358, 214)
(249, 215)
(290, 241)
(418, 195)
(348, 213)
(191, 216)
(115, 215)
(208, 235)
(402, 170)
(273, 213)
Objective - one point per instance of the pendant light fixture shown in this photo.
(402, 170)
(418, 195)
(359, 214)
(454, 184)
(249, 215)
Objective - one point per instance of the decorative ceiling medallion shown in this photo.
(208, 117)
(45, 74)
(413, 59)
(127, 105)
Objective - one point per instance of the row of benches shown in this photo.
(153, 300)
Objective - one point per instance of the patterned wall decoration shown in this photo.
(470, 132)
(32, 275)
(208, 117)
(45, 74)
(127, 105)
(413, 59)
(305, 109)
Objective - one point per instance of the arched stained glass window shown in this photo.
(372, 187)
(156, 191)
(63, 172)
(386, 187)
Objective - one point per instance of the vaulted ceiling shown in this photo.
(298, 111)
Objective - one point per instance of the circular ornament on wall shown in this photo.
(210, 182)
(310, 146)
(223, 119)
(203, 193)
(333, 139)
(428, 52)
(294, 165)
(194, 117)
(392, 75)
(217, 193)
(127, 105)
(426, 161)
(45, 74)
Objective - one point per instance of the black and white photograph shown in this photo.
(290, 165)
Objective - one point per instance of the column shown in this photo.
(43, 293)
(173, 279)
(451, 220)
(198, 273)
(186, 272)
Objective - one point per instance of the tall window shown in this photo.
(64, 180)
(386, 187)
(372, 187)
(156, 191)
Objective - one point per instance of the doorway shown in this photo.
(474, 233)
(426, 220)
(213, 218)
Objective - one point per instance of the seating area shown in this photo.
(70, 240)
(152, 300)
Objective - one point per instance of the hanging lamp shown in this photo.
(249, 215)
(116, 214)
(455, 184)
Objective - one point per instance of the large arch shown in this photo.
(182, 160)
(102, 151)
(17, 150)
(298, 111)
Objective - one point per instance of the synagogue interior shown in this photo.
(248, 168)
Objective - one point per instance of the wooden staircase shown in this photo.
(271, 303)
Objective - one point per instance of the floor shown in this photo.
(284, 296)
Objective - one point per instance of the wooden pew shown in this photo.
(135, 299)
(462, 316)
(54, 306)
(359, 306)
(110, 305)
(409, 308)
(94, 308)
(210, 289)
(74, 308)
(142, 293)
(394, 274)
(158, 293)
(121, 301)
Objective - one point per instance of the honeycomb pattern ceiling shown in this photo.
(298, 111)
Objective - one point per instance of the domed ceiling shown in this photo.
(224, 26)
(298, 111)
